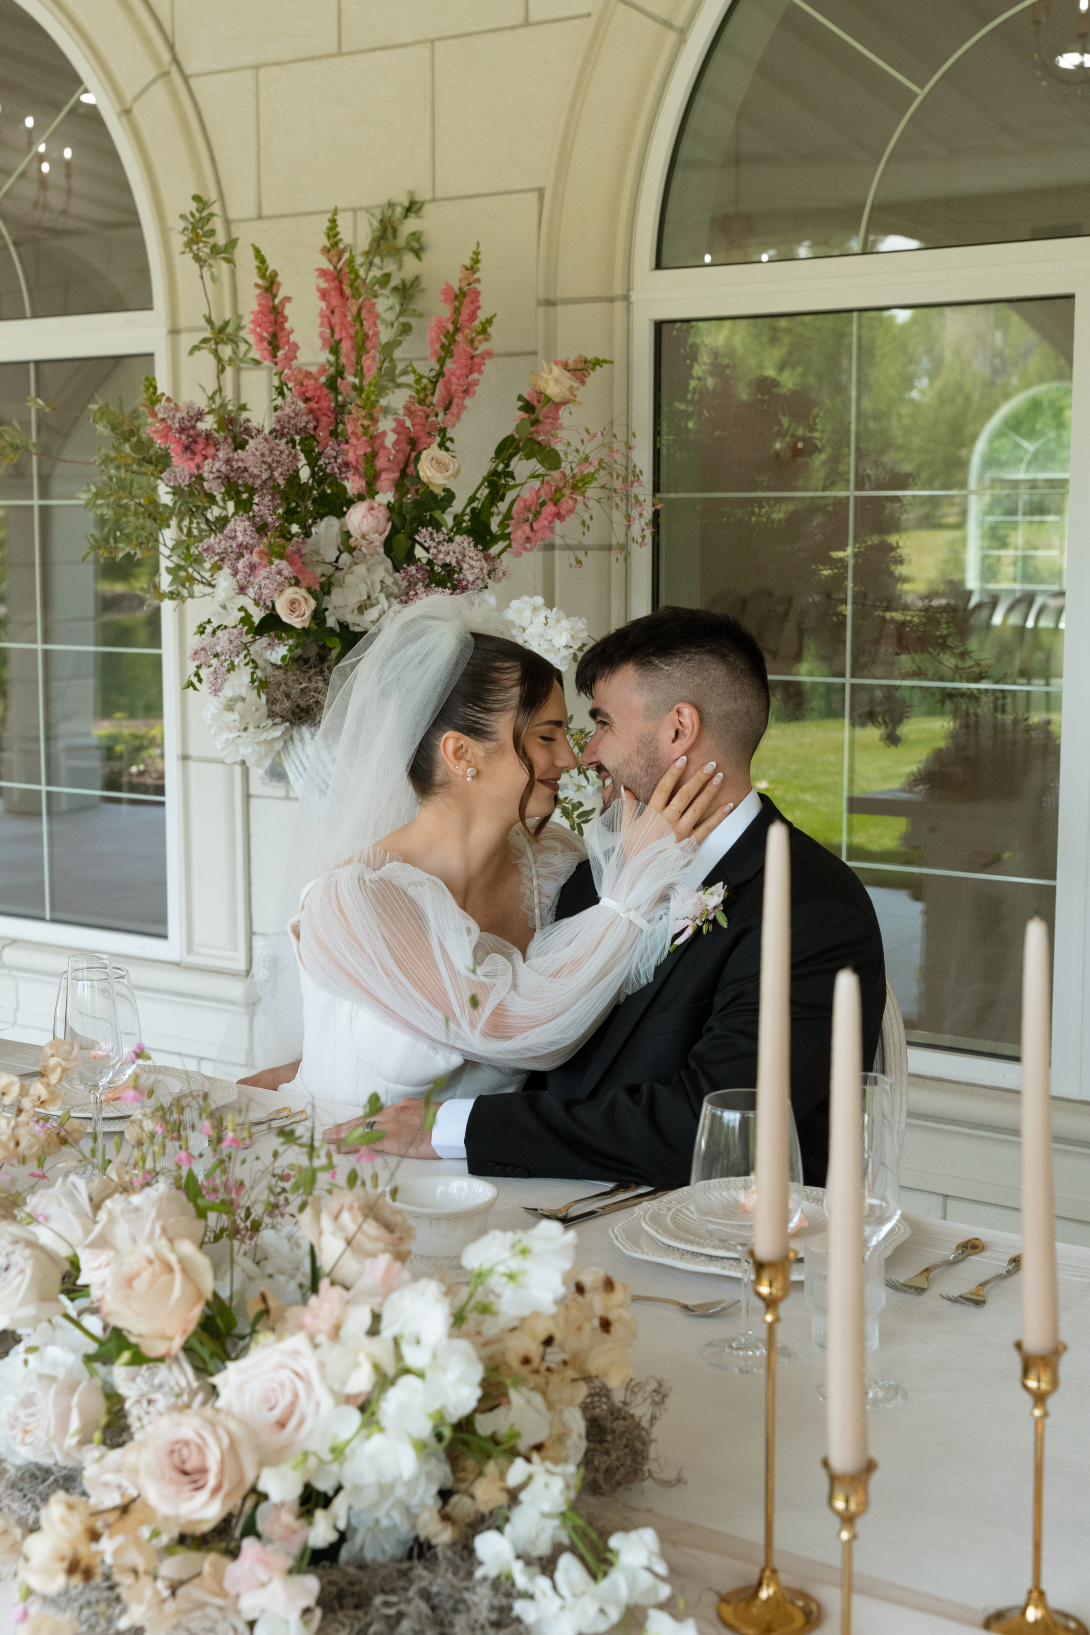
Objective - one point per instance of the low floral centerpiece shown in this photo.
(229, 1403)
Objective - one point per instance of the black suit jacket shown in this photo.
(627, 1104)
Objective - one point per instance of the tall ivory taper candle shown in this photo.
(846, 1377)
(1040, 1304)
(774, 1052)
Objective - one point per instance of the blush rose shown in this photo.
(195, 1467)
(155, 1294)
(295, 606)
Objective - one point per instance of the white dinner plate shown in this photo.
(675, 1223)
(632, 1238)
(167, 1083)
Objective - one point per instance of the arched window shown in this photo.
(866, 457)
(82, 798)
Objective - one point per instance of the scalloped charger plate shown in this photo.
(167, 1083)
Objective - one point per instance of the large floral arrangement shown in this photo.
(238, 1382)
(307, 528)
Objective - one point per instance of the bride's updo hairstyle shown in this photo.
(499, 676)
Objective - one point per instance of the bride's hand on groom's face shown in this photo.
(692, 808)
(402, 1125)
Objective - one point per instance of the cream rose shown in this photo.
(278, 1393)
(195, 1467)
(30, 1279)
(348, 1228)
(54, 1419)
(368, 523)
(156, 1294)
(437, 468)
(554, 382)
(128, 1220)
(295, 606)
(64, 1214)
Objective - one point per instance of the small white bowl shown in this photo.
(448, 1212)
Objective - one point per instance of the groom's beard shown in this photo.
(639, 772)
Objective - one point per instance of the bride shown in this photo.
(427, 952)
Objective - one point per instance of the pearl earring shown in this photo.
(471, 772)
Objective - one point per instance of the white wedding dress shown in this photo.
(400, 989)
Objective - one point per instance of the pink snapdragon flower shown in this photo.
(539, 512)
(456, 341)
(310, 388)
(269, 327)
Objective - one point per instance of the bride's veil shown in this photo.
(381, 701)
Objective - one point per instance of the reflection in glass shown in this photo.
(909, 602)
(81, 672)
(862, 125)
(72, 239)
(107, 863)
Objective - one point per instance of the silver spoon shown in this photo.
(699, 1308)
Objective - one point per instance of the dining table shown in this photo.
(947, 1536)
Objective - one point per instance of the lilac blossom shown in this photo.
(460, 566)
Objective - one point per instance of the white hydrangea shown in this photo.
(323, 546)
(238, 719)
(229, 599)
(363, 588)
(547, 630)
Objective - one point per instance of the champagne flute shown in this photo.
(91, 1022)
(724, 1196)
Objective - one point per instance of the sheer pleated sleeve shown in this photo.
(382, 933)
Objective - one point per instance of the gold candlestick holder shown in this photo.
(848, 1500)
(766, 1608)
(1040, 1377)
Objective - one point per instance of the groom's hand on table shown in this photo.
(404, 1132)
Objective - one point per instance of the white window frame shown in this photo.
(904, 278)
(107, 335)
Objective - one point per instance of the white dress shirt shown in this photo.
(448, 1135)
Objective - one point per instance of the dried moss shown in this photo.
(297, 692)
(434, 1595)
(621, 1436)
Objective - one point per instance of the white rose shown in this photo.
(54, 1419)
(30, 1279)
(295, 606)
(129, 1219)
(278, 1393)
(156, 1294)
(349, 1227)
(64, 1214)
(437, 468)
(554, 381)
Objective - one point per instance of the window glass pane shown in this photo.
(104, 714)
(69, 442)
(935, 770)
(73, 240)
(20, 744)
(107, 862)
(18, 574)
(15, 388)
(865, 125)
(22, 856)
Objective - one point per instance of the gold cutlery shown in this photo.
(918, 1284)
(621, 1203)
(591, 1197)
(975, 1297)
(699, 1308)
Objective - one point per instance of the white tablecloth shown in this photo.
(947, 1537)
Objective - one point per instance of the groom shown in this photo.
(626, 1106)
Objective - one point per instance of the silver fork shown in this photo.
(918, 1284)
(699, 1308)
(975, 1297)
(559, 1213)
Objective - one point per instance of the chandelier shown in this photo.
(1062, 44)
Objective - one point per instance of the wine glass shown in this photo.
(724, 1196)
(91, 1022)
(128, 1016)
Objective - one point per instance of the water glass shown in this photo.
(724, 1194)
(128, 1016)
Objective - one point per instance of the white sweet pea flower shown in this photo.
(452, 1381)
(661, 1623)
(323, 1530)
(641, 1563)
(281, 1482)
(526, 1270)
(334, 1432)
(404, 1409)
(595, 1605)
(496, 1554)
(533, 1527)
(546, 630)
(419, 1317)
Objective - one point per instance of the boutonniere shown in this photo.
(694, 911)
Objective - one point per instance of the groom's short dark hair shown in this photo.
(686, 655)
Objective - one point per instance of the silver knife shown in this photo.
(621, 1203)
